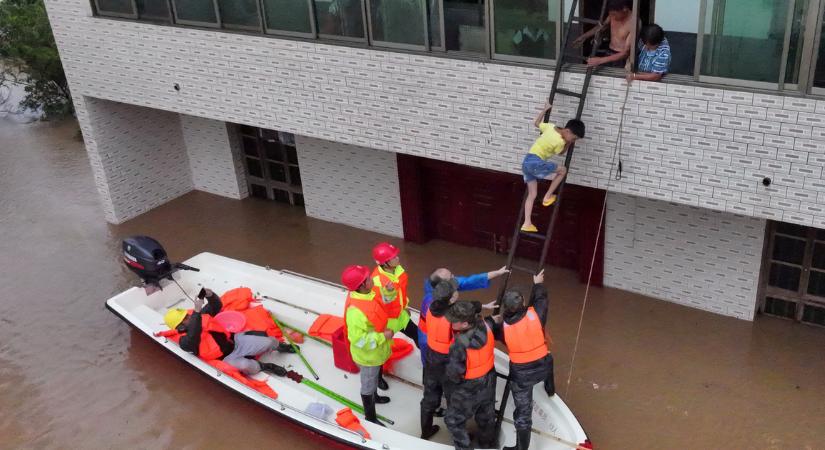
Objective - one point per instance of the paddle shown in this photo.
(295, 347)
(298, 378)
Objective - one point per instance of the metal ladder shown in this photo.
(564, 59)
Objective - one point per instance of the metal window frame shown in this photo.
(443, 46)
(103, 12)
(266, 180)
(258, 28)
(786, 44)
(313, 33)
(817, 21)
(399, 45)
(336, 37)
(216, 24)
(526, 59)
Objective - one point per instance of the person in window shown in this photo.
(654, 55)
(620, 20)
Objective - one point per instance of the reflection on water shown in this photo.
(72, 375)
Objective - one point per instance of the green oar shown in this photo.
(298, 378)
(295, 347)
(306, 335)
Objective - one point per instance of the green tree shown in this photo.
(28, 55)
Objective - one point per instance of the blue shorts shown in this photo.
(534, 168)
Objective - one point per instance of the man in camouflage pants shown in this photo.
(470, 377)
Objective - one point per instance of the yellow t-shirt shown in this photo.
(549, 144)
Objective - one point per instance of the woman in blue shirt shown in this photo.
(654, 55)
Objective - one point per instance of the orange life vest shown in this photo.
(259, 318)
(370, 307)
(397, 300)
(480, 361)
(439, 333)
(525, 338)
(209, 348)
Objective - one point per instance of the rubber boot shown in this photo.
(382, 383)
(427, 427)
(522, 440)
(273, 369)
(369, 409)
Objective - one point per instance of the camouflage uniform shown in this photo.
(434, 370)
(470, 398)
(524, 376)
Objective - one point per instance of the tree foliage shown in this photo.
(28, 55)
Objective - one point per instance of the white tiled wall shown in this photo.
(214, 158)
(688, 145)
(352, 185)
(138, 156)
(688, 255)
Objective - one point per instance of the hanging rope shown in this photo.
(610, 179)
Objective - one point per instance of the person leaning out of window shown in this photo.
(654, 55)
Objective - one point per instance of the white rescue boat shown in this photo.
(299, 299)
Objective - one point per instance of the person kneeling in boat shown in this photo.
(470, 377)
(365, 325)
(198, 333)
(531, 363)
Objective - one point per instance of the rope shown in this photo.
(610, 179)
(183, 290)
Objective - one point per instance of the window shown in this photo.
(465, 27)
(271, 162)
(343, 19)
(435, 24)
(526, 28)
(819, 69)
(399, 23)
(241, 14)
(680, 20)
(744, 40)
(288, 16)
(796, 43)
(116, 8)
(794, 278)
(154, 10)
(196, 12)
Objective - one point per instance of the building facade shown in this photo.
(721, 192)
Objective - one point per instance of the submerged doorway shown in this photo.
(793, 279)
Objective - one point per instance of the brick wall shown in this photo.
(214, 157)
(689, 145)
(352, 185)
(137, 154)
(692, 256)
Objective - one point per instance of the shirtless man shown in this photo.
(620, 20)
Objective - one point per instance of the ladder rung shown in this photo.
(523, 269)
(569, 93)
(586, 20)
(529, 235)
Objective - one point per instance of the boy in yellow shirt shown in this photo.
(538, 166)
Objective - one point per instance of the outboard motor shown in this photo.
(147, 259)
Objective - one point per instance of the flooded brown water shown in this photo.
(648, 374)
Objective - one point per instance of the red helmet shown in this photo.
(354, 276)
(384, 252)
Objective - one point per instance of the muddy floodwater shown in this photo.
(648, 374)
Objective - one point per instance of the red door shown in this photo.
(478, 207)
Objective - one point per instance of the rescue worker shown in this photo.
(198, 333)
(392, 280)
(531, 363)
(444, 294)
(365, 323)
(470, 377)
(468, 283)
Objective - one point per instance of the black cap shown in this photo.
(512, 301)
(461, 312)
(444, 290)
